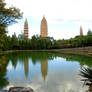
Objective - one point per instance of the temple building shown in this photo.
(81, 31)
(26, 29)
(44, 28)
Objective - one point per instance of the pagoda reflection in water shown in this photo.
(44, 68)
(26, 66)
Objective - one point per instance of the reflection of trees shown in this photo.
(35, 56)
(44, 68)
(41, 57)
(83, 60)
(23, 57)
(86, 73)
(3, 70)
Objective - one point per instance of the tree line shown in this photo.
(37, 42)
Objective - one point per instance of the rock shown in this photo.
(4, 91)
(20, 89)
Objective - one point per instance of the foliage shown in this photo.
(37, 42)
(89, 32)
(80, 41)
(8, 16)
(86, 73)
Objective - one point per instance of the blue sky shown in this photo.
(64, 17)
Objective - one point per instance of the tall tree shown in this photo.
(8, 16)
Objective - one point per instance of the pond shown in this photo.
(43, 71)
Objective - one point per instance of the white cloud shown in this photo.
(57, 11)
(66, 9)
(10, 67)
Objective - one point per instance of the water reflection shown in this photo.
(60, 71)
(26, 66)
(83, 60)
(3, 65)
(44, 68)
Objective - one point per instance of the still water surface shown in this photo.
(43, 71)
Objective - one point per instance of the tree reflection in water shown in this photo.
(3, 80)
(27, 58)
(86, 73)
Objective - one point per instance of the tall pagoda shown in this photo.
(44, 28)
(26, 29)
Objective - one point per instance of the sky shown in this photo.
(64, 17)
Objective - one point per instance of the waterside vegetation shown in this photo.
(37, 42)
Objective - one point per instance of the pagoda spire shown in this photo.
(26, 29)
(81, 31)
(44, 28)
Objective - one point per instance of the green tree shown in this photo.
(34, 42)
(21, 36)
(8, 16)
(89, 32)
(7, 43)
(14, 42)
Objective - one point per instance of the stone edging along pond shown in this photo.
(20, 89)
(81, 51)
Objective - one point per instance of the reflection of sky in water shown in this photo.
(62, 76)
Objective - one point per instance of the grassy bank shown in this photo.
(81, 51)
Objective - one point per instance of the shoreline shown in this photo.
(81, 51)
